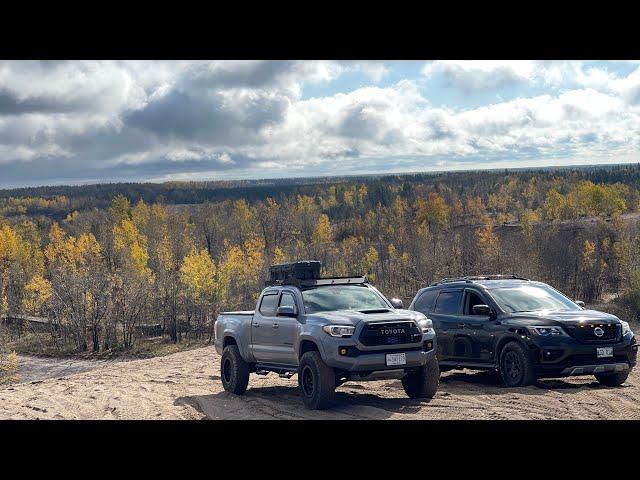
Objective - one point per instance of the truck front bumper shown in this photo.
(360, 359)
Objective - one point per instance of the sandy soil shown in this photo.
(186, 385)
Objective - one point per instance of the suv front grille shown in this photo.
(585, 333)
(390, 333)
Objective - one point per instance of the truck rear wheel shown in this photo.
(422, 383)
(612, 379)
(234, 371)
(317, 381)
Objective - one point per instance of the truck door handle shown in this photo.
(461, 325)
(275, 325)
(256, 324)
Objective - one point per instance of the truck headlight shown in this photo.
(625, 328)
(339, 330)
(544, 331)
(426, 325)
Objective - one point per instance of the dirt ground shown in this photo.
(186, 385)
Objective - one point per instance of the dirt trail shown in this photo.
(186, 385)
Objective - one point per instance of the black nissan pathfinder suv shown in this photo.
(525, 330)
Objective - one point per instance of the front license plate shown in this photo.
(396, 359)
(604, 352)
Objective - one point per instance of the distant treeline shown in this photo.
(101, 260)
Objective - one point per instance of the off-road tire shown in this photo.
(612, 379)
(422, 383)
(234, 371)
(516, 366)
(317, 382)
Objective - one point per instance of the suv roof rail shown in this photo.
(350, 280)
(472, 278)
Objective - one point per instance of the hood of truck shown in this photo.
(353, 317)
(564, 317)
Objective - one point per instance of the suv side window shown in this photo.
(268, 304)
(287, 300)
(472, 299)
(424, 304)
(448, 303)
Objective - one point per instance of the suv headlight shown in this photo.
(625, 328)
(426, 325)
(545, 331)
(339, 330)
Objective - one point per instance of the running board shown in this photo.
(484, 366)
(284, 371)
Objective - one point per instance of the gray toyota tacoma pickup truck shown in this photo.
(328, 331)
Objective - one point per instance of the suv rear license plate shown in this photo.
(604, 352)
(396, 359)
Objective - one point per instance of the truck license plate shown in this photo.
(396, 359)
(604, 352)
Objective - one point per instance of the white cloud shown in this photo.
(156, 119)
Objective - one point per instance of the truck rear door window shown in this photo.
(448, 303)
(268, 304)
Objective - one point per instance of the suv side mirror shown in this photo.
(397, 303)
(287, 311)
(579, 303)
(482, 310)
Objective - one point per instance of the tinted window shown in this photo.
(268, 304)
(424, 303)
(448, 302)
(473, 299)
(287, 300)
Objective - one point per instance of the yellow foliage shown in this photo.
(9, 368)
(37, 293)
(131, 245)
(323, 232)
(198, 275)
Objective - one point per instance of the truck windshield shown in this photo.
(342, 297)
(531, 298)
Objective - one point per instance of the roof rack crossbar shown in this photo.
(471, 278)
(351, 280)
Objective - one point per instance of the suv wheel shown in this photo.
(234, 371)
(317, 381)
(612, 379)
(516, 366)
(422, 383)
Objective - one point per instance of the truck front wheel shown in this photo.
(317, 381)
(234, 371)
(422, 383)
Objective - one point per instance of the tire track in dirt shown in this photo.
(186, 385)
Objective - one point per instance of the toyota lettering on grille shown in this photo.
(392, 331)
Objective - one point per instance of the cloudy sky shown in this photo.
(89, 121)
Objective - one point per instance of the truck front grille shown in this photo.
(390, 333)
(587, 333)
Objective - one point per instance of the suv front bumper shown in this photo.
(568, 357)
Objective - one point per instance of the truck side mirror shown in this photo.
(482, 310)
(580, 303)
(287, 311)
(397, 303)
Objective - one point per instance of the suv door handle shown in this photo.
(256, 324)
(275, 325)
(461, 325)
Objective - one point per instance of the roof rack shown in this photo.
(352, 280)
(472, 278)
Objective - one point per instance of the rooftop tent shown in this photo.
(304, 270)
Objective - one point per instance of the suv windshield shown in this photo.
(342, 297)
(531, 298)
